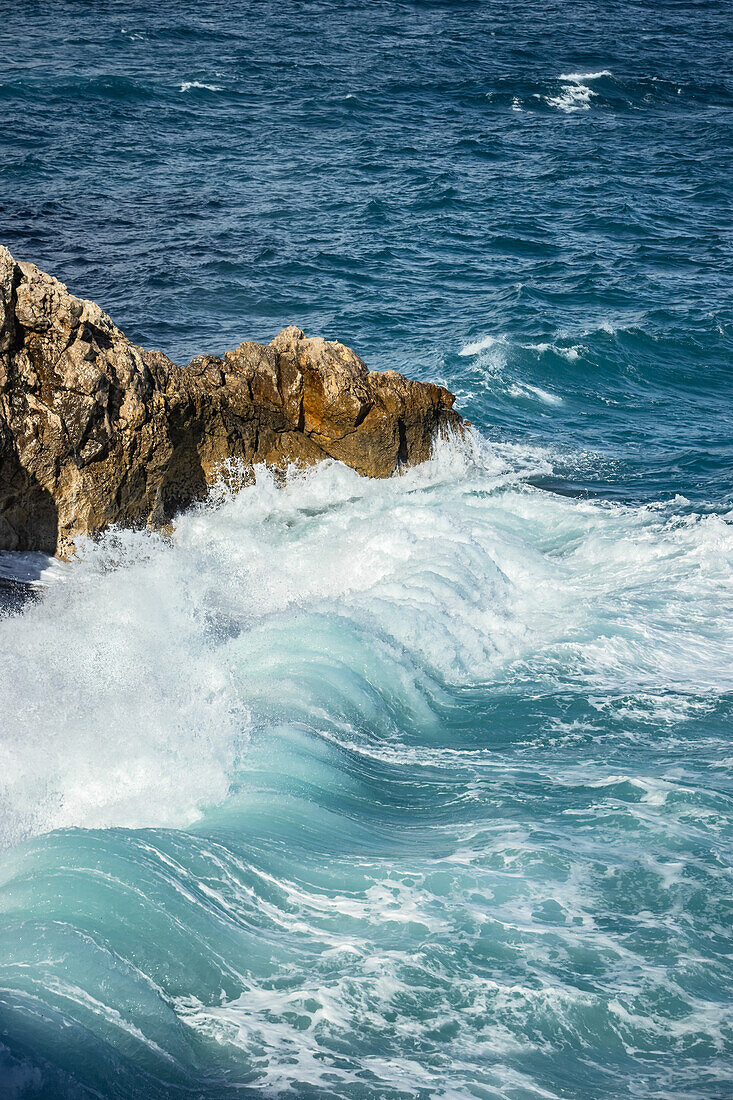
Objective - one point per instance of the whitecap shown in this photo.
(542, 347)
(571, 353)
(544, 395)
(523, 389)
(579, 78)
(574, 97)
(189, 84)
(480, 345)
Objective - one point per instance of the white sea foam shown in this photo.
(485, 343)
(571, 354)
(479, 345)
(536, 391)
(187, 85)
(494, 355)
(573, 97)
(580, 78)
(32, 568)
(576, 95)
(450, 576)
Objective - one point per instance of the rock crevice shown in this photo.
(97, 431)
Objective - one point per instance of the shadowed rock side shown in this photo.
(95, 430)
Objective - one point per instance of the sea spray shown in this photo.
(452, 671)
(423, 788)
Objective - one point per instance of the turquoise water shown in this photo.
(415, 788)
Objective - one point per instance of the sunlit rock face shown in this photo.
(97, 431)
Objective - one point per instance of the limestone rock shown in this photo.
(97, 431)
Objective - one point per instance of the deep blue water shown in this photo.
(417, 788)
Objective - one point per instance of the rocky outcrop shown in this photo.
(97, 431)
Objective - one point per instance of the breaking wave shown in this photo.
(418, 665)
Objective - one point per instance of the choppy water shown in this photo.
(418, 788)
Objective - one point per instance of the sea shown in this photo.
(412, 788)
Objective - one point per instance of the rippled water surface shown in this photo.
(416, 788)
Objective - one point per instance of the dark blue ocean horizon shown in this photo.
(418, 788)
